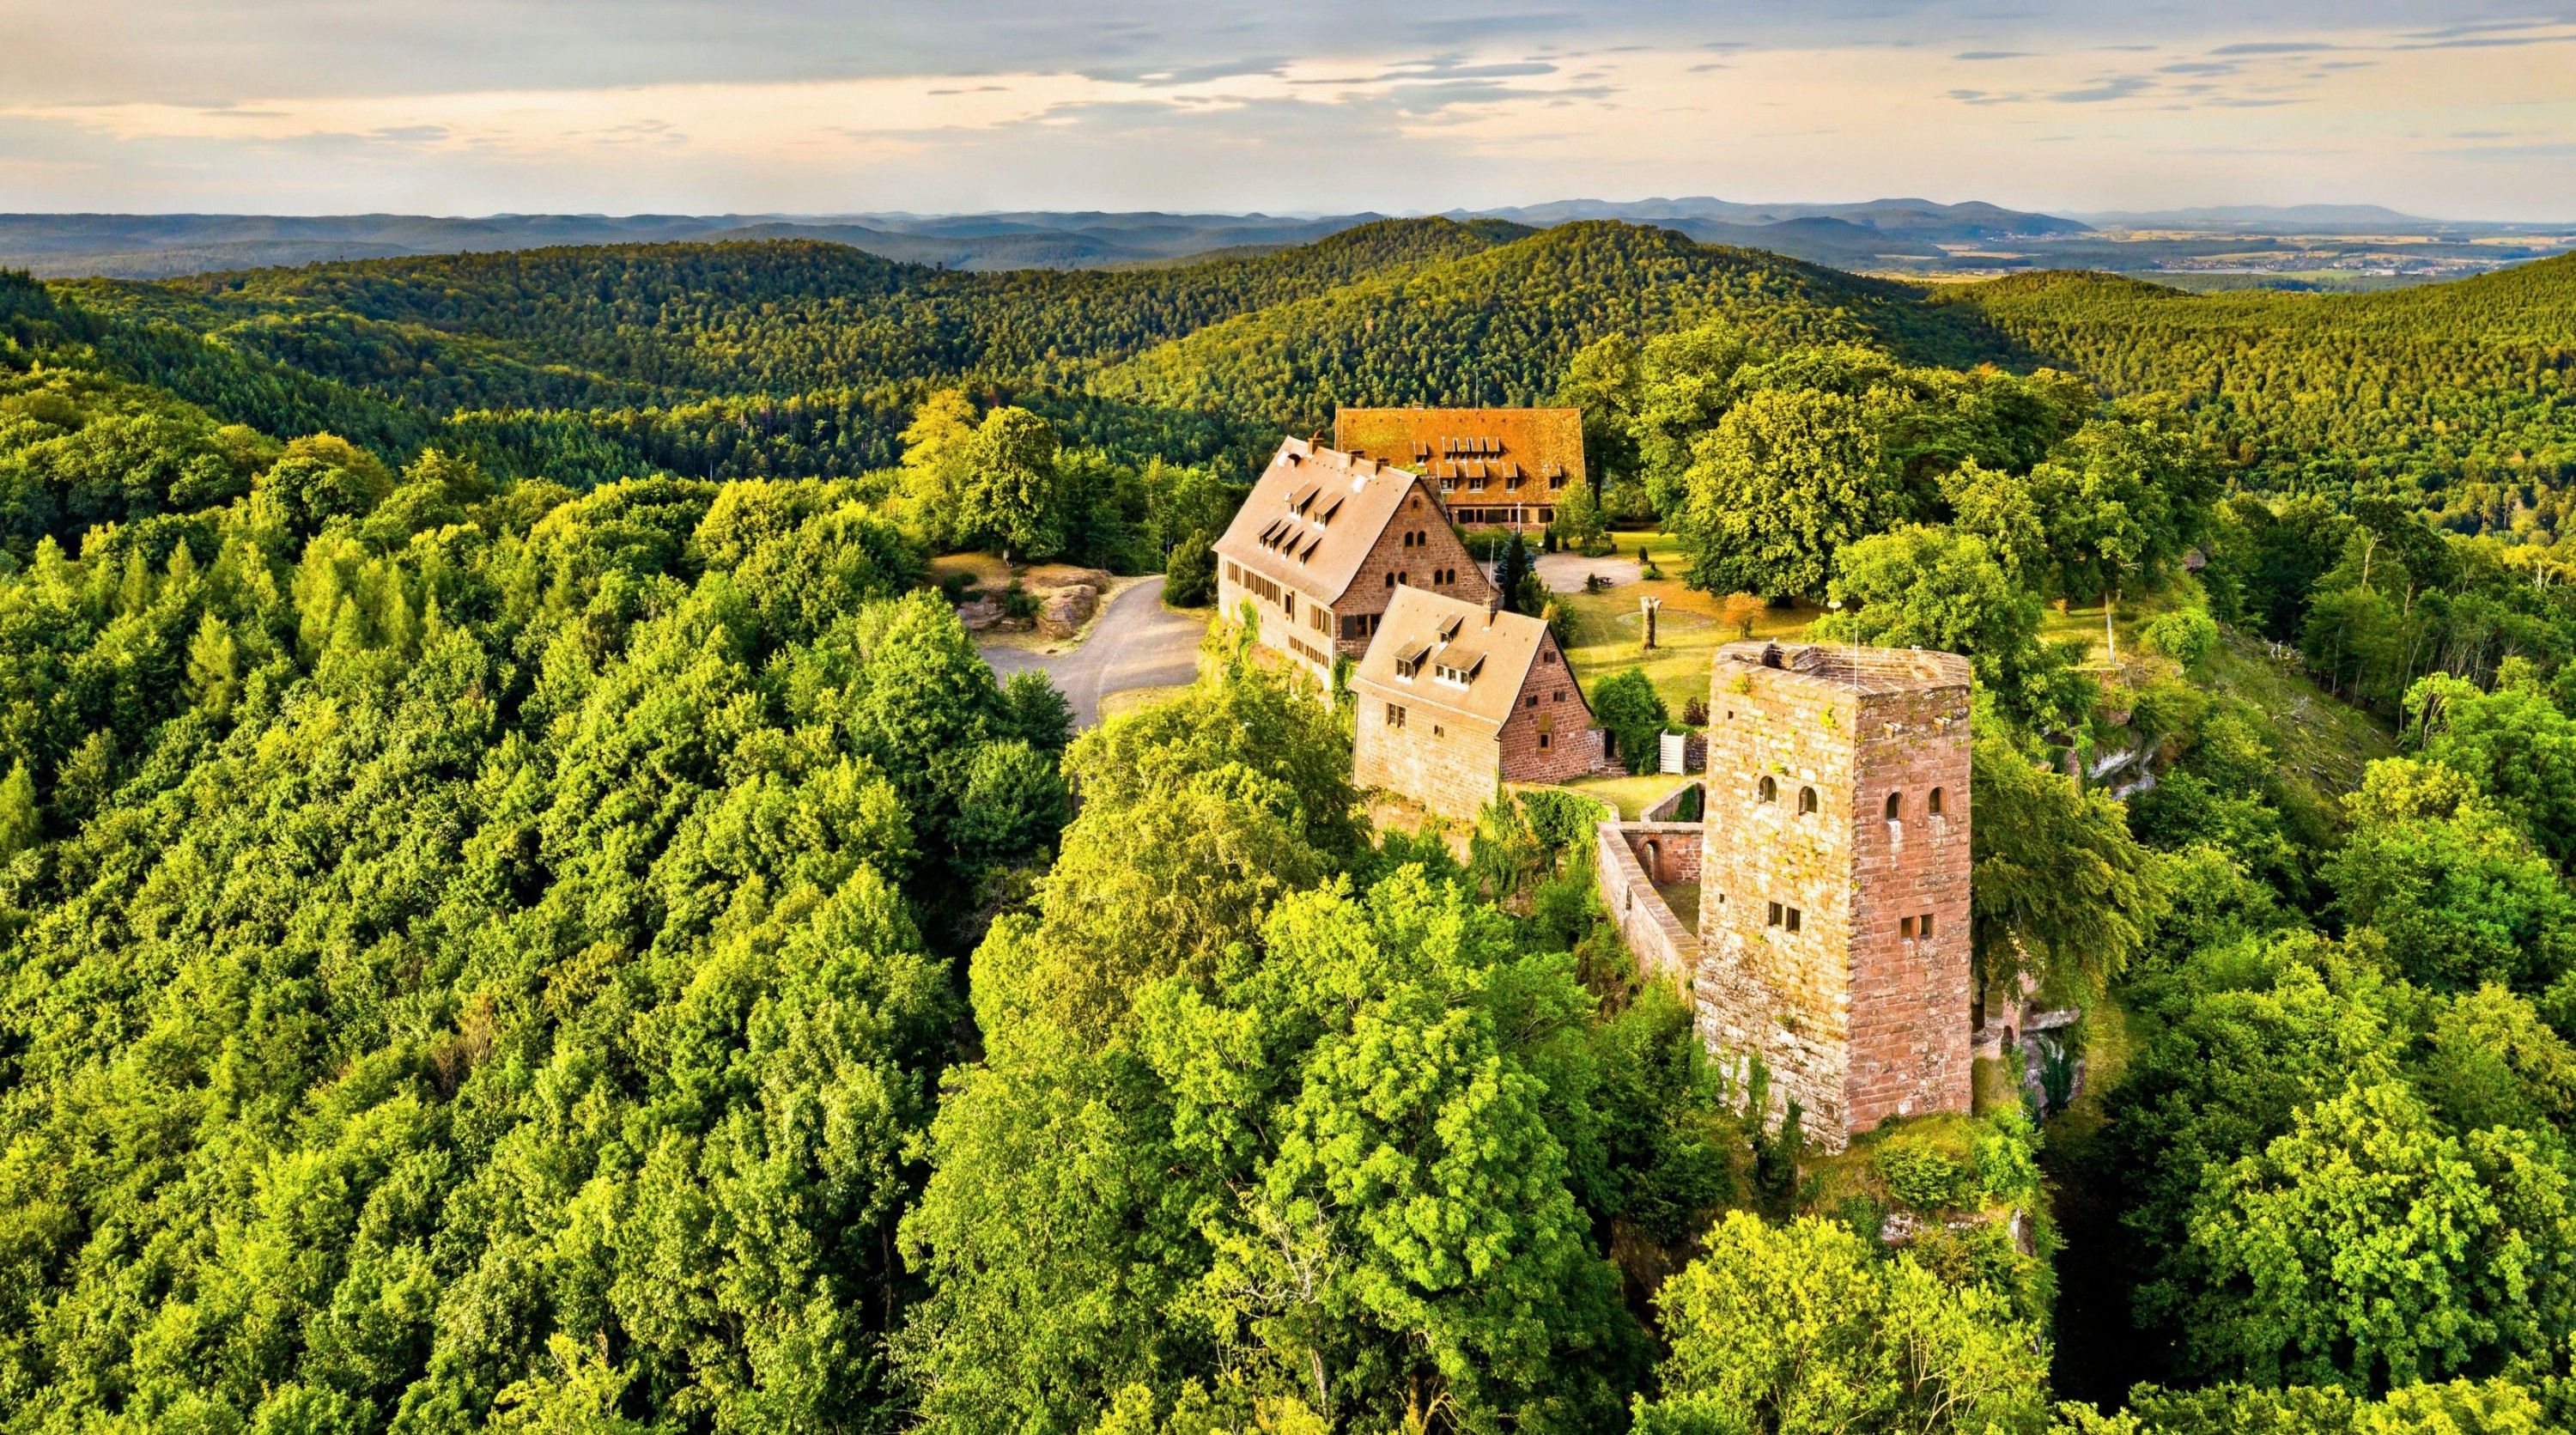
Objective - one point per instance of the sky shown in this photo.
(2454, 110)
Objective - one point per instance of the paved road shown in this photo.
(1138, 643)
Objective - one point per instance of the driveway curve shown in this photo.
(1137, 643)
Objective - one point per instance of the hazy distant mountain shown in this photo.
(1915, 218)
(2265, 217)
(1888, 236)
(153, 246)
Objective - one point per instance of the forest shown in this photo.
(522, 908)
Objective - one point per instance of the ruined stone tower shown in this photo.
(1834, 879)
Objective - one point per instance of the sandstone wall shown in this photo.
(1290, 637)
(1656, 937)
(1434, 759)
(1911, 995)
(1441, 551)
(1559, 714)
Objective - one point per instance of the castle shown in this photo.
(1832, 864)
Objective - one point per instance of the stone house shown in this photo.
(1834, 879)
(1495, 467)
(1326, 542)
(1455, 698)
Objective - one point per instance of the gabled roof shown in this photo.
(1468, 443)
(1316, 514)
(1494, 649)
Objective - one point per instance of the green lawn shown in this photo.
(1630, 795)
(1609, 628)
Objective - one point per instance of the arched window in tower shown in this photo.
(1895, 807)
(1932, 804)
(1766, 791)
(1806, 801)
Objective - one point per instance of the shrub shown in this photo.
(2186, 635)
(1189, 575)
(1019, 603)
(1922, 1176)
(1627, 705)
(1695, 713)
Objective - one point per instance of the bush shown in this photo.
(956, 587)
(1189, 575)
(1018, 603)
(2187, 635)
(1695, 713)
(1923, 1176)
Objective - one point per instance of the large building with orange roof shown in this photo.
(1494, 467)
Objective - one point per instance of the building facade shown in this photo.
(1455, 699)
(1325, 542)
(1495, 467)
(1834, 880)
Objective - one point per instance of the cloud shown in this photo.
(2276, 47)
(2115, 87)
(769, 106)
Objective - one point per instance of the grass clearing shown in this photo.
(2324, 743)
(1608, 626)
(1631, 796)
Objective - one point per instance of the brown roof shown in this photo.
(1851, 667)
(1468, 443)
(1314, 516)
(1448, 637)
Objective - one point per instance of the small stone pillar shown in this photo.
(1647, 606)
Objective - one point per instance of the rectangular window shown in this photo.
(1775, 914)
(1793, 919)
(1905, 928)
(1542, 742)
(1923, 924)
(1394, 716)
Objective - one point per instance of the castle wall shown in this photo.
(1662, 945)
(1909, 1020)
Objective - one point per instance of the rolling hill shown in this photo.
(795, 355)
(2415, 391)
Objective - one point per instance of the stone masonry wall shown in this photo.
(1291, 638)
(1662, 946)
(1572, 742)
(1667, 852)
(1369, 591)
(1855, 1018)
(1433, 758)
(1911, 998)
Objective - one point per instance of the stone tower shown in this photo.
(1834, 879)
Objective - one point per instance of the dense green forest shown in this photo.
(520, 908)
(2460, 397)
